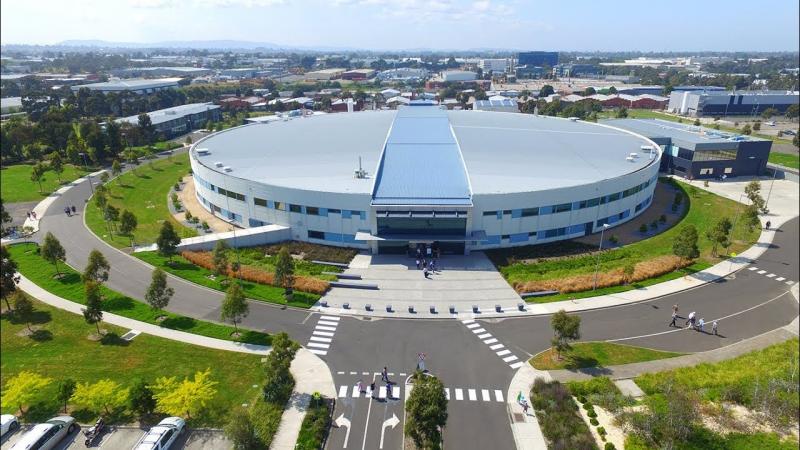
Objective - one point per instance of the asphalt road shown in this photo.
(747, 304)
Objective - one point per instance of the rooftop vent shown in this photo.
(360, 173)
(227, 169)
(218, 164)
(203, 151)
(646, 148)
(634, 155)
(630, 159)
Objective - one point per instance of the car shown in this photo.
(163, 435)
(8, 423)
(789, 132)
(45, 436)
(771, 123)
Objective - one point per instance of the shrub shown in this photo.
(257, 275)
(591, 413)
(601, 431)
(588, 406)
(561, 424)
(610, 446)
(581, 399)
(593, 421)
(643, 228)
(614, 239)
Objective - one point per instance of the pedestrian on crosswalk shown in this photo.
(421, 361)
(361, 387)
(674, 319)
(714, 328)
(372, 389)
(690, 319)
(385, 375)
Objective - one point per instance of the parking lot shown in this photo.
(120, 438)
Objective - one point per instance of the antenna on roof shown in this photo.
(360, 173)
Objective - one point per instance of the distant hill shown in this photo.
(216, 45)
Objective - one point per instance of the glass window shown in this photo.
(280, 205)
(530, 212)
(490, 213)
(259, 202)
(562, 207)
(507, 211)
(593, 202)
(316, 234)
(312, 210)
(614, 197)
(334, 211)
(295, 208)
(222, 191)
(715, 155)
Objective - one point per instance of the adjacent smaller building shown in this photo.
(537, 59)
(698, 152)
(137, 86)
(494, 65)
(172, 122)
(324, 74)
(358, 74)
(730, 103)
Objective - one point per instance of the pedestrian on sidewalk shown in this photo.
(417, 263)
(525, 407)
(701, 324)
(72, 208)
(28, 213)
(768, 224)
(714, 328)
(425, 272)
(674, 318)
(690, 319)
(33, 213)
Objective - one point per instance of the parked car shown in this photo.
(789, 132)
(8, 423)
(46, 435)
(163, 435)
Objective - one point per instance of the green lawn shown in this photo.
(144, 193)
(70, 287)
(785, 159)
(60, 349)
(597, 354)
(705, 209)
(16, 184)
(180, 267)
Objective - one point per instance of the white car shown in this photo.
(8, 423)
(163, 435)
(46, 435)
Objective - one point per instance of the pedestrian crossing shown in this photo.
(477, 395)
(493, 344)
(322, 337)
(771, 276)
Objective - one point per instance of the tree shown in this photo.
(643, 228)
(8, 275)
(187, 397)
(57, 165)
(426, 412)
(589, 91)
(158, 293)
(757, 125)
(792, 111)
(753, 193)
(97, 268)
(188, 140)
(5, 217)
(116, 169)
(100, 198)
(104, 396)
(284, 271)
(127, 223)
(168, 240)
(26, 388)
(111, 215)
(37, 172)
(769, 113)
(64, 391)
(146, 128)
(23, 307)
(52, 251)
(685, 244)
(93, 312)
(566, 328)
(546, 90)
(104, 177)
(746, 129)
(220, 258)
(720, 235)
(141, 399)
(241, 430)
(750, 218)
(621, 113)
(696, 122)
(612, 90)
(234, 306)
(279, 380)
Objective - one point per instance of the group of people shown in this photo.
(373, 388)
(692, 321)
(69, 210)
(426, 259)
(31, 215)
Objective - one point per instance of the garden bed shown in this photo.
(558, 416)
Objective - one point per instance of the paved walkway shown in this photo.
(527, 433)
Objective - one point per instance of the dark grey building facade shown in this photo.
(537, 59)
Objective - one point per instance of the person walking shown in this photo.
(674, 319)
(701, 324)
(360, 385)
(690, 319)
(385, 375)
(372, 389)
(675, 309)
(425, 272)
(525, 407)
(421, 361)
(417, 263)
(768, 224)
(72, 208)
(714, 328)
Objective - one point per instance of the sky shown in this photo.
(566, 25)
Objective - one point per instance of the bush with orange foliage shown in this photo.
(642, 271)
(256, 275)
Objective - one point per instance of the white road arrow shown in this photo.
(389, 423)
(341, 421)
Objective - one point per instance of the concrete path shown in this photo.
(311, 375)
(525, 427)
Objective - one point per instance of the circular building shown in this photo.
(390, 180)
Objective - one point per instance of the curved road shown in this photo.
(748, 304)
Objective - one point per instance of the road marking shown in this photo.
(356, 392)
(318, 352)
(366, 374)
(382, 392)
(473, 325)
(503, 352)
(390, 422)
(369, 391)
(780, 279)
(472, 394)
(466, 321)
(509, 358)
(319, 345)
(341, 421)
(324, 328)
(516, 365)
(395, 391)
(326, 323)
(753, 268)
(402, 374)
(790, 282)
(770, 275)
(353, 373)
(490, 341)
(322, 333)
(496, 346)
(484, 336)
(761, 272)
(479, 330)
(498, 395)
(343, 391)
(334, 318)
(485, 395)
(319, 339)
(459, 394)
(447, 393)
(340, 372)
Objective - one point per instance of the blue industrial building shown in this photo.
(538, 58)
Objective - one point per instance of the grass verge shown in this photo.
(60, 349)
(597, 354)
(16, 184)
(180, 267)
(70, 287)
(144, 193)
(785, 159)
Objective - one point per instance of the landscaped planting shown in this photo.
(652, 258)
(59, 349)
(142, 191)
(69, 286)
(558, 416)
(597, 354)
(315, 424)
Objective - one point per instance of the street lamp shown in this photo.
(86, 166)
(772, 183)
(600, 249)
